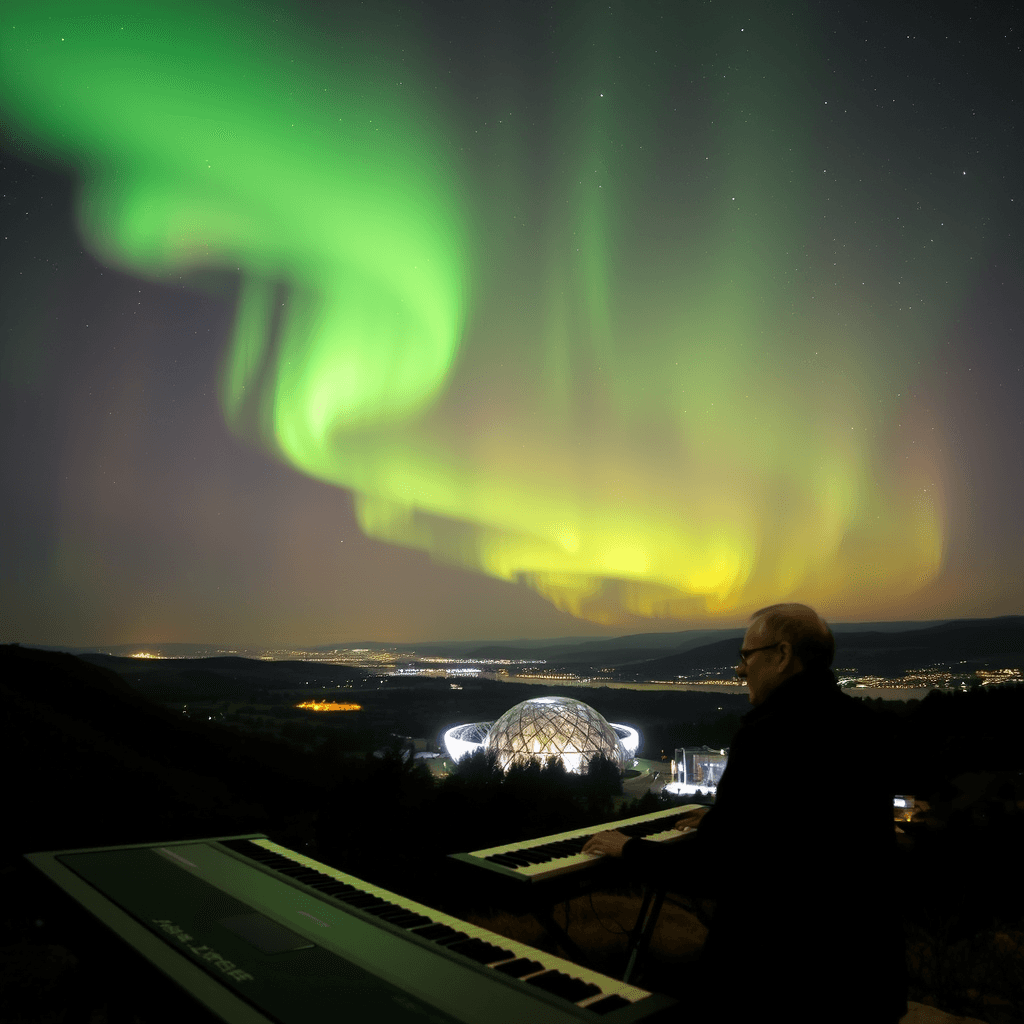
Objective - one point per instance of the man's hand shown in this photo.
(610, 843)
(691, 819)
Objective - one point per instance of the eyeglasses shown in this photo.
(746, 652)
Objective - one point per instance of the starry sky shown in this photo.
(448, 320)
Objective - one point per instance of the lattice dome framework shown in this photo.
(554, 725)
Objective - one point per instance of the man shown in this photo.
(798, 850)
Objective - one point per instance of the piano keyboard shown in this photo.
(536, 860)
(294, 941)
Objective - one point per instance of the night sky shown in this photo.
(467, 320)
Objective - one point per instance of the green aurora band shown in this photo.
(629, 365)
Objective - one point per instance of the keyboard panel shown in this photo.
(458, 936)
(294, 941)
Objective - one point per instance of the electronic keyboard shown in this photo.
(259, 933)
(537, 860)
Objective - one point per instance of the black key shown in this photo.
(304, 874)
(517, 968)
(518, 855)
(585, 990)
(506, 861)
(363, 900)
(556, 849)
(570, 846)
(534, 857)
(608, 1004)
(500, 858)
(410, 920)
(384, 909)
(480, 951)
(559, 984)
(277, 862)
(329, 887)
(392, 913)
(441, 933)
(549, 850)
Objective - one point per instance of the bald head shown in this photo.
(782, 640)
(801, 626)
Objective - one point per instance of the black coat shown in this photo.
(798, 854)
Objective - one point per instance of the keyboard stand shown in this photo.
(639, 935)
(560, 935)
(646, 920)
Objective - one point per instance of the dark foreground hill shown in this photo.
(90, 761)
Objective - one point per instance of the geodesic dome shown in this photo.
(554, 725)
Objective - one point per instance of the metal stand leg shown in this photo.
(559, 934)
(640, 936)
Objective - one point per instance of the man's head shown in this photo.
(782, 640)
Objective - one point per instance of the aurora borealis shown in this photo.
(323, 323)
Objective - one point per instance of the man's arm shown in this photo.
(607, 843)
(612, 843)
(691, 819)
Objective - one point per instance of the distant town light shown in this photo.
(326, 705)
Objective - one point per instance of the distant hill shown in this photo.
(607, 651)
(616, 650)
(884, 648)
(968, 643)
(611, 650)
(191, 678)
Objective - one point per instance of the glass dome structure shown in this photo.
(464, 739)
(554, 725)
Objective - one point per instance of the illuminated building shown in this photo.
(903, 807)
(543, 726)
(697, 768)
(464, 739)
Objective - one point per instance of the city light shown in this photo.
(326, 705)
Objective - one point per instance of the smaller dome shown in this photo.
(464, 739)
(554, 725)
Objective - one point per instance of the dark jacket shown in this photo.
(798, 854)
